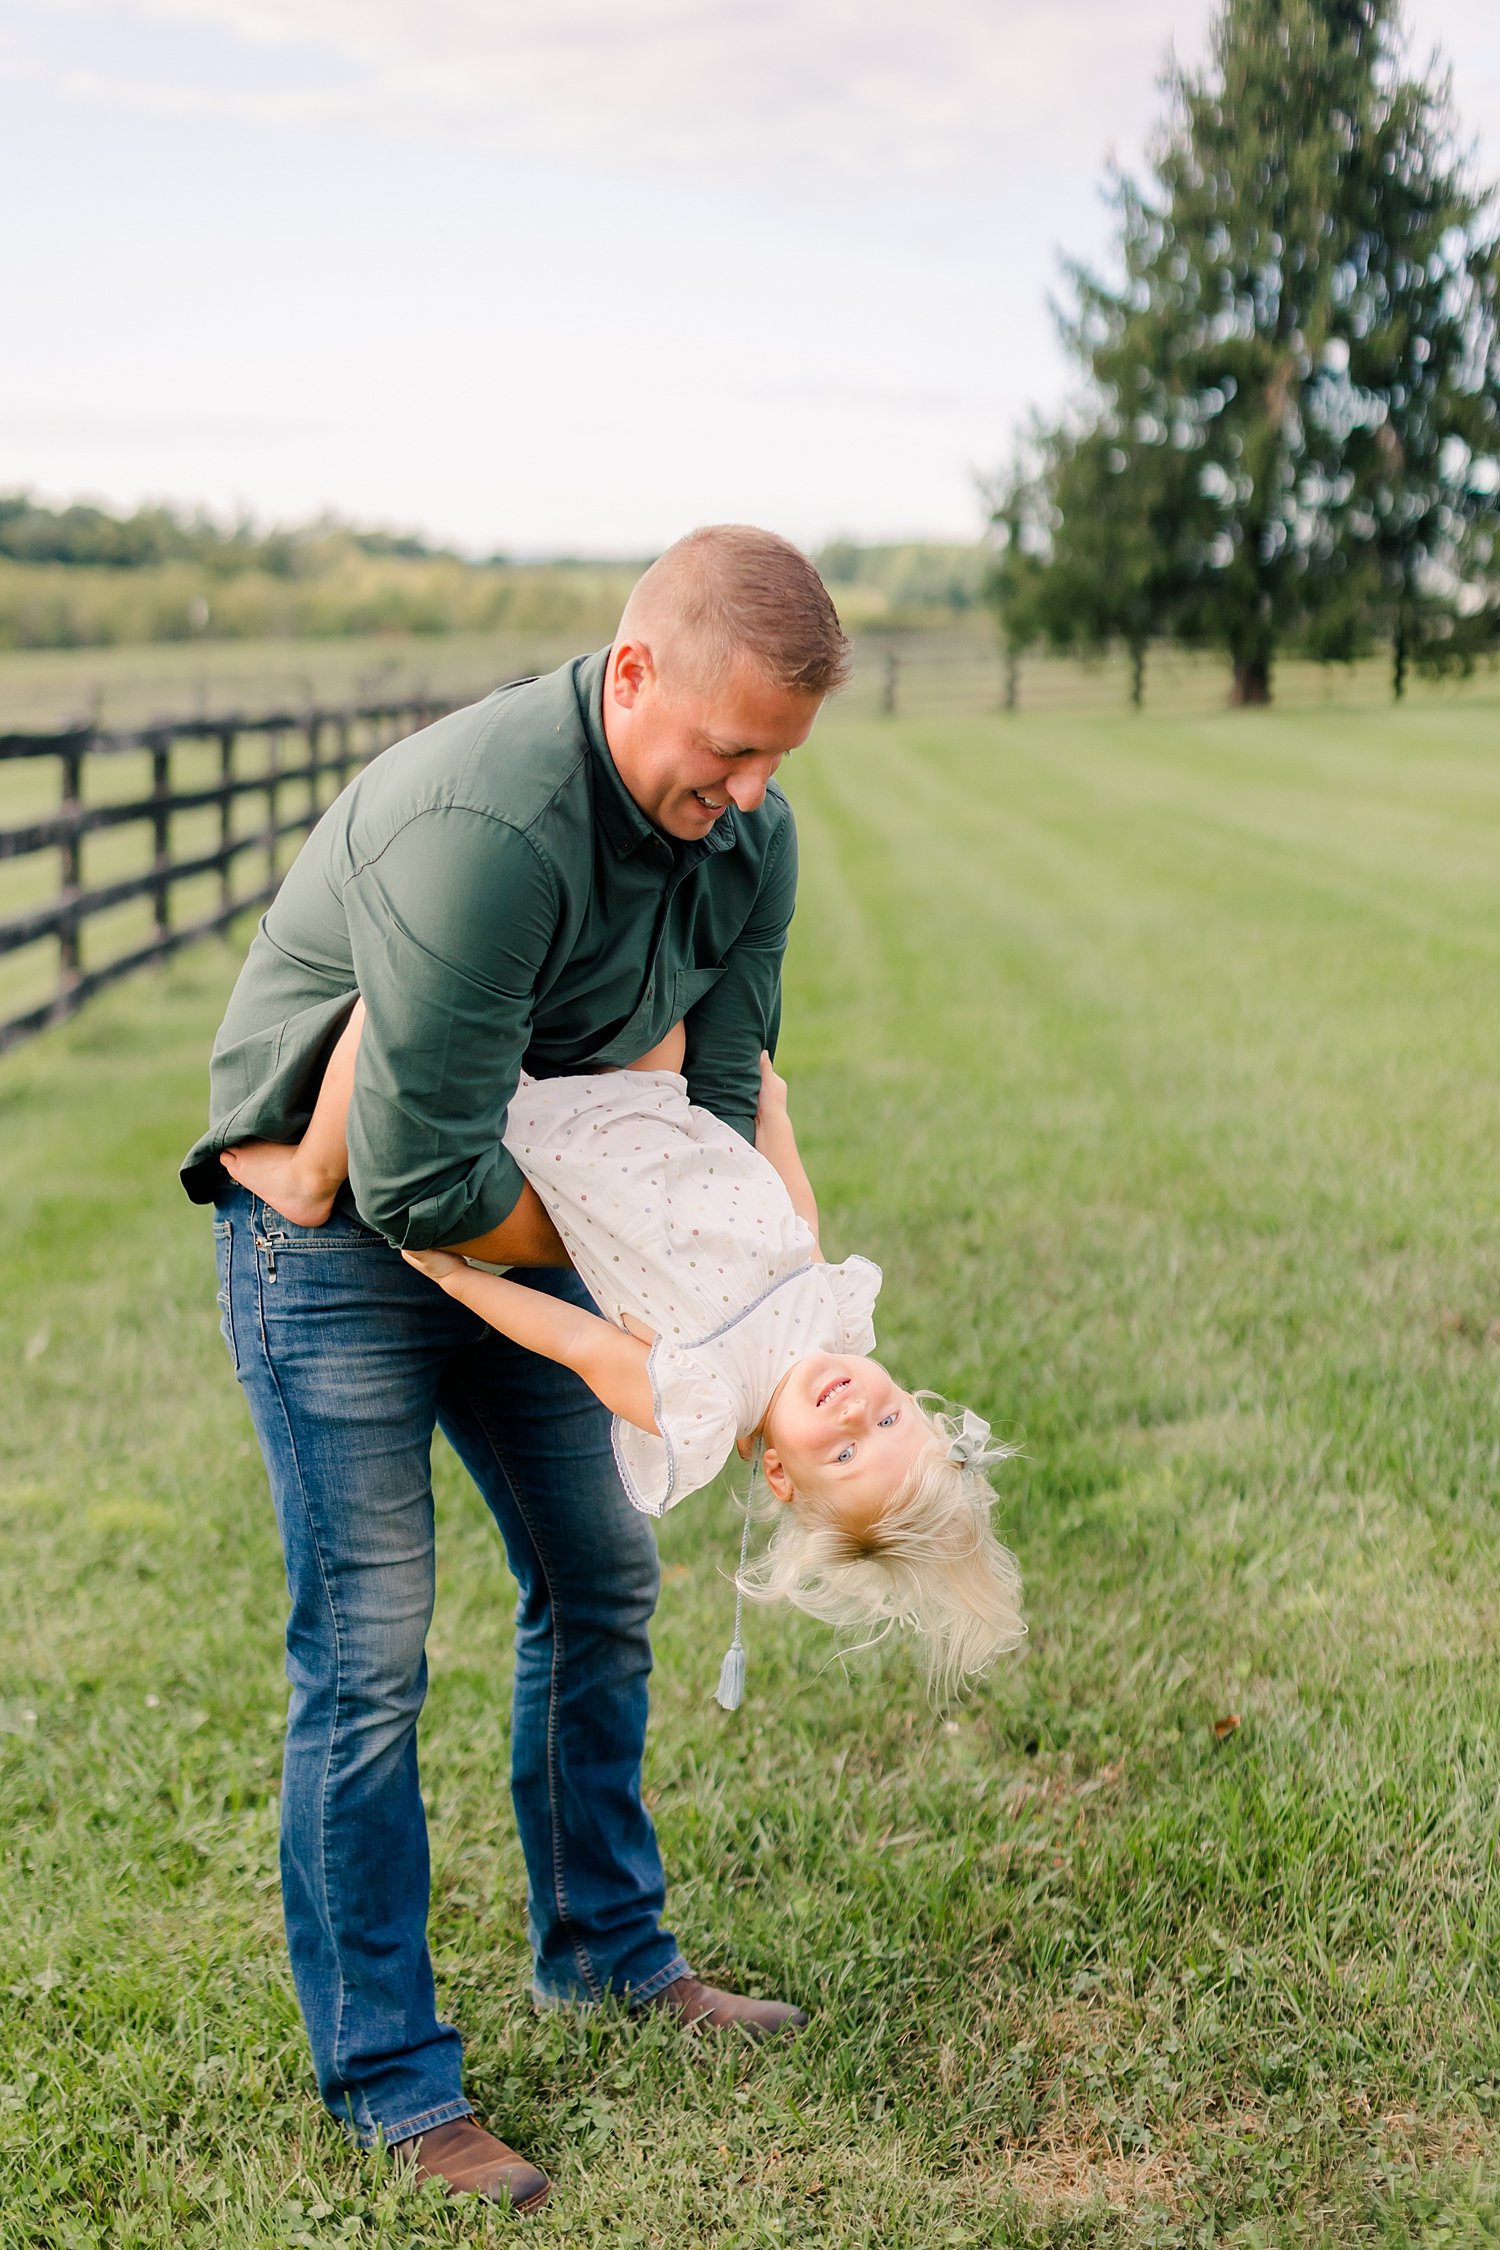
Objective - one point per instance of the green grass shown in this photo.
(945, 669)
(139, 681)
(1155, 1063)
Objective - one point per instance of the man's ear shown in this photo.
(631, 666)
(775, 1475)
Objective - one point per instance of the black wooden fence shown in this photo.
(281, 769)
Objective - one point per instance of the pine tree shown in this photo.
(1103, 510)
(1296, 388)
(1020, 521)
(1414, 379)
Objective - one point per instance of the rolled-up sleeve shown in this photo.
(450, 925)
(742, 1013)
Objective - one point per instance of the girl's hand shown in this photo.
(438, 1265)
(772, 1091)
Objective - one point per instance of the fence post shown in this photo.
(69, 952)
(892, 677)
(273, 770)
(226, 823)
(154, 873)
(161, 834)
(314, 726)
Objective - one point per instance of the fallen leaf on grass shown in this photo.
(1472, 1327)
(1225, 1727)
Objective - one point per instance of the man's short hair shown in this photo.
(729, 593)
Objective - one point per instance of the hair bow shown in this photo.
(970, 1444)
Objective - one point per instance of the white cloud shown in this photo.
(951, 84)
(110, 426)
(866, 83)
(404, 305)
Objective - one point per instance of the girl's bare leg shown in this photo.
(668, 1054)
(301, 1178)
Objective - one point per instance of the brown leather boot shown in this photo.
(472, 2162)
(693, 2003)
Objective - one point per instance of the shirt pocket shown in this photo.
(666, 1000)
(689, 987)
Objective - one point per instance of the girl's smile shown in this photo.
(840, 1425)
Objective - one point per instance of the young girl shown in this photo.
(721, 1328)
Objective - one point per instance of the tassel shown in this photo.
(730, 1692)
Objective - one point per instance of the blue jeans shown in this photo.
(348, 1359)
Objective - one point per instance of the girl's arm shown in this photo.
(324, 1148)
(777, 1143)
(612, 1363)
(301, 1178)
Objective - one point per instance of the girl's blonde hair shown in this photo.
(929, 1561)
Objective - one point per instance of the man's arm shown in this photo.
(300, 1179)
(741, 1017)
(450, 927)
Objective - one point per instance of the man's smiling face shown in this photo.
(687, 753)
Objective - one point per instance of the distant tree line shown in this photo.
(911, 580)
(85, 537)
(1289, 430)
(81, 576)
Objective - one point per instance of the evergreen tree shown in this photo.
(1294, 404)
(1413, 379)
(1097, 522)
(1020, 520)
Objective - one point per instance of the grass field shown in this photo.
(944, 670)
(1156, 1065)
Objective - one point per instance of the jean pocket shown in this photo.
(224, 1260)
(339, 1231)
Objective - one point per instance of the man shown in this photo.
(551, 879)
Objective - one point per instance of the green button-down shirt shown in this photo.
(499, 900)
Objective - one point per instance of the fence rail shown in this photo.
(282, 767)
(125, 843)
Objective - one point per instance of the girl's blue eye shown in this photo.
(846, 1455)
(887, 1421)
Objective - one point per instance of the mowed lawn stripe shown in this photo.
(1153, 1063)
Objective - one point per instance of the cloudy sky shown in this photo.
(551, 275)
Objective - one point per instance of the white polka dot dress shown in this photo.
(676, 1223)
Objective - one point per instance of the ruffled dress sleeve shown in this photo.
(697, 1414)
(855, 1285)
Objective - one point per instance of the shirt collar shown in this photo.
(621, 818)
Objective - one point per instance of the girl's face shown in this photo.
(840, 1427)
